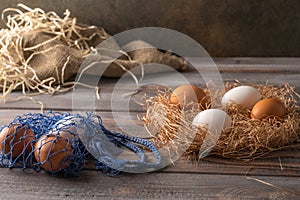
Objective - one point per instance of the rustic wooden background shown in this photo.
(223, 28)
(275, 176)
(267, 28)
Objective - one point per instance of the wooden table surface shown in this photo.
(276, 176)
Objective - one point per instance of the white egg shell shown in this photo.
(214, 120)
(243, 95)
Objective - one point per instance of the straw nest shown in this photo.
(247, 139)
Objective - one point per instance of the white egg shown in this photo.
(214, 120)
(243, 95)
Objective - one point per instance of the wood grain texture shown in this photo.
(257, 71)
(92, 185)
(223, 28)
(275, 176)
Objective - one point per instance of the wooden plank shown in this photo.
(285, 167)
(282, 163)
(263, 61)
(64, 101)
(92, 185)
(286, 65)
(272, 177)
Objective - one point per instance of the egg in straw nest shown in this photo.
(247, 138)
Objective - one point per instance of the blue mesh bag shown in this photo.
(62, 143)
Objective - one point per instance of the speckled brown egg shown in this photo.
(268, 108)
(16, 138)
(185, 94)
(53, 153)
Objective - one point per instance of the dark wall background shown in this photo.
(222, 27)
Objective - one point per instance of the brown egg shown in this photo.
(185, 94)
(14, 139)
(53, 153)
(268, 108)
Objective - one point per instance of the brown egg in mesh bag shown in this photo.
(247, 139)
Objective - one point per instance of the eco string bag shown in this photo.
(60, 133)
(41, 52)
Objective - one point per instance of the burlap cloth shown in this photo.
(42, 51)
(50, 59)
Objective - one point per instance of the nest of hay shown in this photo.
(247, 139)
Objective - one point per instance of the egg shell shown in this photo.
(65, 128)
(53, 153)
(243, 95)
(214, 120)
(185, 94)
(269, 107)
(15, 139)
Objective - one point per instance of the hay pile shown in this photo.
(41, 52)
(248, 138)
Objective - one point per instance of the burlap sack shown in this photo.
(50, 59)
(42, 51)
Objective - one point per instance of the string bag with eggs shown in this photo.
(258, 119)
(62, 143)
